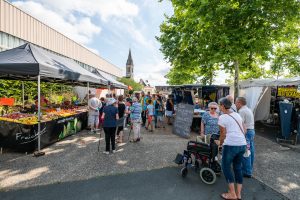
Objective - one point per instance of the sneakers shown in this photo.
(106, 152)
(114, 151)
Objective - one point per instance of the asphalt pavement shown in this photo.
(73, 168)
(157, 184)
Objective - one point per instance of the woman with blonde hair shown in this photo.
(209, 121)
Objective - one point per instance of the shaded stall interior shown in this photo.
(199, 94)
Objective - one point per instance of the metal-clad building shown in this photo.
(18, 27)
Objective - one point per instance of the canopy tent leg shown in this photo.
(108, 87)
(23, 97)
(88, 91)
(38, 152)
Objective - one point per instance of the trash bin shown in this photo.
(285, 119)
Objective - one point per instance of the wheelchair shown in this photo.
(203, 158)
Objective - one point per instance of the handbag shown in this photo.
(247, 151)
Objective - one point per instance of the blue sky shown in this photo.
(110, 28)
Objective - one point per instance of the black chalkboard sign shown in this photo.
(183, 120)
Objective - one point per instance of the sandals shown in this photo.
(225, 196)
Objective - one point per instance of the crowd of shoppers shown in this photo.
(116, 113)
(230, 124)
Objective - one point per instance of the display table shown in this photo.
(22, 137)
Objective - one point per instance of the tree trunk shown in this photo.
(211, 78)
(236, 79)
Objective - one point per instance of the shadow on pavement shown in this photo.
(159, 184)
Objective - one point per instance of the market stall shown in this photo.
(273, 101)
(27, 132)
(197, 95)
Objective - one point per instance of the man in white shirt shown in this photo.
(94, 105)
(248, 119)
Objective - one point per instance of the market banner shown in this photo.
(292, 92)
(22, 137)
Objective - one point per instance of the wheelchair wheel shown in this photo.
(184, 172)
(208, 176)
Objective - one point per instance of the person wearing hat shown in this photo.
(94, 105)
(110, 116)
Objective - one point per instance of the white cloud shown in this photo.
(127, 25)
(81, 30)
(73, 17)
(103, 8)
(153, 72)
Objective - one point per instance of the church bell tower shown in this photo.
(129, 66)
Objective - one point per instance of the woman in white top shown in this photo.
(234, 145)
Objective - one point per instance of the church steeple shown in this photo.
(129, 59)
(129, 66)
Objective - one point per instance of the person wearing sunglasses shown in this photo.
(209, 121)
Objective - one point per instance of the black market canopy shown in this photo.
(111, 80)
(28, 61)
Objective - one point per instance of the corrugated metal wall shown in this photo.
(17, 23)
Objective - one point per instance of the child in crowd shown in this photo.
(150, 113)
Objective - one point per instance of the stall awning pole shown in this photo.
(23, 100)
(88, 90)
(39, 153)
(39, 113)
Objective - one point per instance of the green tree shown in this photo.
(235, 35)
(130, 82)
(13, 88)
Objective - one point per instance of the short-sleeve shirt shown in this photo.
(159, 109)
(136, 110)
(121, 109)
(169, 106)
(150, 109)
(210, 124)
(110, 116)
(94, 103)
(247, 116)
(234, 134)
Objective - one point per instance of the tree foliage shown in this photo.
(233, 35)
(13, 88)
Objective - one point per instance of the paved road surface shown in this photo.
(158, 184)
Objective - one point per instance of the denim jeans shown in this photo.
(233, 155)
(248, 161)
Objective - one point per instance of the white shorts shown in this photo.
(169, 113)
(160, 118)
(93, 120)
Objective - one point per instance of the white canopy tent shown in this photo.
(258, 94)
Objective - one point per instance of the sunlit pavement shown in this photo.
(73, 168)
